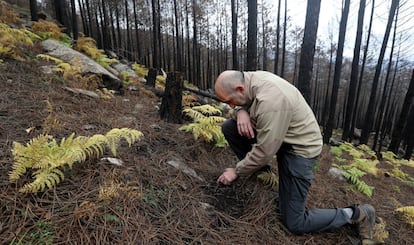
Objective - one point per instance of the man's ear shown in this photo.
(240, 88)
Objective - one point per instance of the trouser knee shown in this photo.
(294, 227)
(229, 127)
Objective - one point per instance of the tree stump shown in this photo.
(152, 76)
(171, 105)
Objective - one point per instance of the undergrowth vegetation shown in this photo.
(358, 161)
(47, 158)
(206, 124)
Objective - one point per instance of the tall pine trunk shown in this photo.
(354, 74)
(251, 60)
(234, 12)
(402, 120)
(337, 74)
(308, 48)
(369, 115)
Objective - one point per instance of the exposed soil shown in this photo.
(167, 206)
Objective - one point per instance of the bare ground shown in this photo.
(162, 205)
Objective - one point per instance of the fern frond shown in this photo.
(398, 173)
(49, 58)
(366, 165)
(409, 163)
(380, 232)
(336, 151)
(47, 29)
(8, 14)
(28, 156)
(43, 178)
(408, 214)
(221, 141)
(340, 159)
(95, 145)
(353, 175)
(194, 114)
(216, 119)
(388, 155)
(11, 40)
(207, 110)
(140, 70)
(368, 151)
(115, 135)
(269, 178)
(44, 155)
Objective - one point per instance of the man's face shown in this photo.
(233, 98)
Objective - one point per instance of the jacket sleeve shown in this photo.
(233, 112)
(271, 129)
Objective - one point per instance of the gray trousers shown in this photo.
(295, 176)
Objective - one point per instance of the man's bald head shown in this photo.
(227, 81)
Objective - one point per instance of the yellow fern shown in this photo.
(11, 40)
(44, 178)
(269, 178)
(46, 157)
(408, 214)
(380, 232)
(115, 135)
(28, 156)
(140, 70)
(8, 14)
(207, 110)
(409, 163)
(48, 29)
(205, 124)
(50, 58)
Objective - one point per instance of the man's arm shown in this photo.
(244, 124)
(271, 129)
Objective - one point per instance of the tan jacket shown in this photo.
(280, 114)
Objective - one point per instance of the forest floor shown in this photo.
(154, 202)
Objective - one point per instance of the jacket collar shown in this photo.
(248, 88)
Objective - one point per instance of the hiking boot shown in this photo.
(364, 218)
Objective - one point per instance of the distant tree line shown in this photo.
(369, 97)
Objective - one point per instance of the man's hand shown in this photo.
(228, 176)
(244, 125)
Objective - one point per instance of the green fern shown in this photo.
(353, 175)
(390, 157)
(46, 157)
(336, 151)
(367, 150)
(348, 147)
(366, 165)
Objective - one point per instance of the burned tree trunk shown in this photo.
(171, 106)
(152, 76)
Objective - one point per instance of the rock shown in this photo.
(119, 67)
(83, 91)
(137, 109)
(112, 160)
(47, 69)
(337, 173)
(88, 127)
(86, 64)
(185, 169)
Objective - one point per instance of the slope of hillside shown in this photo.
(148, 200)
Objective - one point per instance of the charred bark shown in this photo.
(171, 106)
